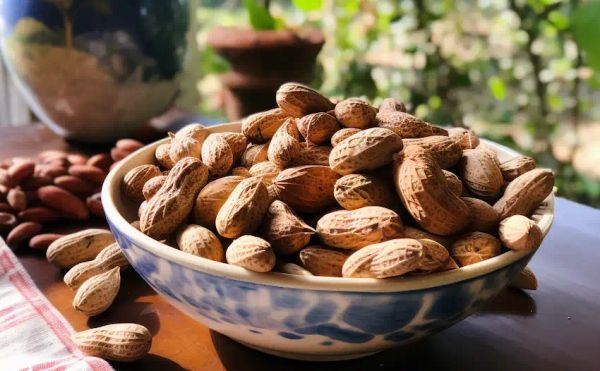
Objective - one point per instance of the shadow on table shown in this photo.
(511, 301)
(234, 356)
(129, 305)
(149, 362)
(142, 313)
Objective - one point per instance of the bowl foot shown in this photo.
(309, 357)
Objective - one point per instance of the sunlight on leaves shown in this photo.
(260, 18)
(586, 21)
(308, 5)
(497, 87)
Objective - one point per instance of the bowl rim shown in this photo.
(111, 188)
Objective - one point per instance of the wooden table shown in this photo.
(556, 327)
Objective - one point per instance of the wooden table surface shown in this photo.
(556, 327)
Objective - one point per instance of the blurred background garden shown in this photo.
(521, 72)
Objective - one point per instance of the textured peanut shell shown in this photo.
(392, 104)
(261, 126)
(122, 342)
(284, 229)
(386, 259)
(423, 189)
(397, 257)
(419, 234)
(454, 183)
(516, 166)
(484, 218)
(480, 172)
(518, 232)
(445, 150)
(152, 186)
(306, 188)
(354, 191)
(366, 150)
(244, 209)
(197, 240)
(211, 198)
(355, 113)
(465, 137)
(80, 273)
(317, 155)
(254, 154)
(358, 264)
(359, 228)
(110, 257)
(284, 145)
(317, 128)
(474, 247)
(272, 190)
(174, 201)
(252, 253)
(181, 147)
(524, 194)
(163, 157)
(217, 155)
(134, 180)
(237, 142)
(195, 131)
(266, 171)
(406, 125)
(435, 257)
(299, 100)
(240, 171)
(78, 247)
(96, 294)
(342, 134)
(321, 261)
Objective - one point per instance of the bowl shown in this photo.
(308, 318)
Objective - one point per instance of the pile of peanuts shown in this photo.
(37, 193)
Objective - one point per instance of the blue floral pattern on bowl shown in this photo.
(313, 324)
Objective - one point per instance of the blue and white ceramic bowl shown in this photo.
(311, 318)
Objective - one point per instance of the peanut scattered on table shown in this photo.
(123, 342)
(54, 186)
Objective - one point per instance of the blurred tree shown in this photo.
(522, 72)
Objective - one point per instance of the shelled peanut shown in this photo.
(56, 185)
(344, 189)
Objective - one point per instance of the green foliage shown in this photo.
(308, 5)
(586, 20)
(497, 87)
(211, 62)
(259, 16)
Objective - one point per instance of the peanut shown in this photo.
(123, 342)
